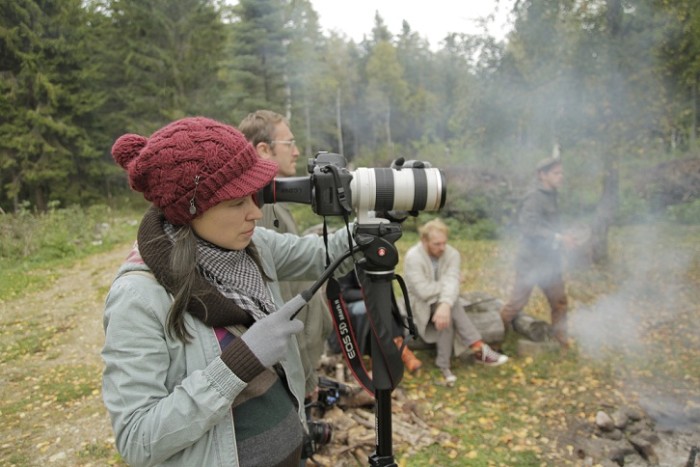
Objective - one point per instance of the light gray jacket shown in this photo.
(318, 324)
(424, 290)
(170, 402)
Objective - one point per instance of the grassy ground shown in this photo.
(634, 324)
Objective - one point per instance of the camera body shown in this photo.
(332, 190)
(320, 432)
(330, 181)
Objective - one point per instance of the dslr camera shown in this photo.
(320, 432)
(332, 190)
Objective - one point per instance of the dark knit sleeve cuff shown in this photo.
(242, 361)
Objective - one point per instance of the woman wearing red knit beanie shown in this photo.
(201, 361)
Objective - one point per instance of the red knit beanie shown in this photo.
(190, 165)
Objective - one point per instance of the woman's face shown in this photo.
(229, 224)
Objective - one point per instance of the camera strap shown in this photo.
(410, 324)
(346, 335)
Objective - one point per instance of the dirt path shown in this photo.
(49, 370)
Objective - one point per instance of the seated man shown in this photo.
(352, 295)
(432, 273)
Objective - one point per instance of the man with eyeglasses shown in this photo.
(271, 136)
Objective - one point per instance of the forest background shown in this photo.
(610, 84)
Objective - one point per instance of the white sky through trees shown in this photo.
(432, 19)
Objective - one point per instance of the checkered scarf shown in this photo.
(235, 275)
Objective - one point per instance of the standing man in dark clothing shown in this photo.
(539, 258)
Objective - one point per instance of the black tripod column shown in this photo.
(376, 272)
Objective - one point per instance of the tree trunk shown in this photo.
(387, 125)
(605, 215)
(39, 199)
(694, 110)
(307, 128)
(610, 198)
(339, 122)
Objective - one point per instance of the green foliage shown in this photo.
(164, 59)
(686, 213)
(306, 218)
(615, 87)
(32, 242)
(59, 233)
(257, 52)
(48, 98)
(632, 210)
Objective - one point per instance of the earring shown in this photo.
(193, 208)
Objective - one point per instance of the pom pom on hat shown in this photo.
(127, 148)
(192, 164)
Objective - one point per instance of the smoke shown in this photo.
(608, 325)
(648, 322)
(652, 275)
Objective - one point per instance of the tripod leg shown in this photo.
(383, 455)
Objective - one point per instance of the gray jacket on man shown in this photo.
(425, 290)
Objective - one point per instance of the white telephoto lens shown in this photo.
(385, 189)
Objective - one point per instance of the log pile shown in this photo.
(353, 424)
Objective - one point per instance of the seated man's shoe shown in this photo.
(485, 355)
(410, 361)
(450, 378)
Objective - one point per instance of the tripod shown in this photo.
(376, 272)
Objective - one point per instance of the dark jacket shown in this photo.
(540, 225)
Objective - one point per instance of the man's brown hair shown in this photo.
(258, 126)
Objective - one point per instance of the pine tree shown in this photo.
(165, 58)
(48, 101)
(256, 67)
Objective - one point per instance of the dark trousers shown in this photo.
(552, 285)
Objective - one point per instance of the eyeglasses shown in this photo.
(288, 142)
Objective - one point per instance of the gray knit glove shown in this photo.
(268, 338)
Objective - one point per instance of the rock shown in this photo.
(604, 422)
(615, 434)
(644, 448)
(634, 428)
(531, 328)
(650, 436)
(693, 414)
(620, 419)
(620, 455)
(484, 311)
(634, 414)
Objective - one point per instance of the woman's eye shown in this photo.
(238, 202)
